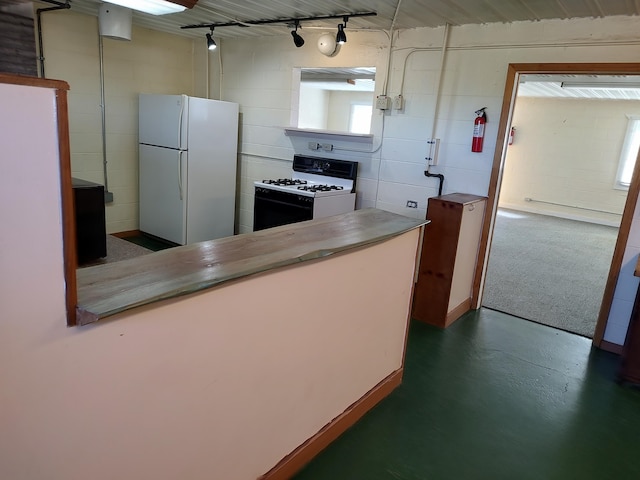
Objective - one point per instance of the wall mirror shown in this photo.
(335, 99)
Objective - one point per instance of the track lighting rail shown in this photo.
(247, 23)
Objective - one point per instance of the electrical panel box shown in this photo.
(398, 102)
(382, 102)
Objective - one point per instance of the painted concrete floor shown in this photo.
(494, 397)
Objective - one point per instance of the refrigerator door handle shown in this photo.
(180, 120)
(180, 174)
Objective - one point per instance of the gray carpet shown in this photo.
(118, 249)
(549, 270)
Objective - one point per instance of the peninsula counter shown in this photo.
(247, 355)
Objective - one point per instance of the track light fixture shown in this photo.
(341, 37)
(211, 43)
(297, 39)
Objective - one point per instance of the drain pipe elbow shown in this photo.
(439, 176)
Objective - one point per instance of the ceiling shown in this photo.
(401, 14)
(604, 87)
(356, 79)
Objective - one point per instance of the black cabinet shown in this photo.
(91, 234)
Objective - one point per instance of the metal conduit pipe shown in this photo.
(108, 196)
(39, 12)
(445, 41)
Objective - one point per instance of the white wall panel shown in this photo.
(566, 151)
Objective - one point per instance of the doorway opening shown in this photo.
(562, 196)
(542, 200)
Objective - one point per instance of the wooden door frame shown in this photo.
(508, 102)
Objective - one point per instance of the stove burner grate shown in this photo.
(285, 182)
(320, 188)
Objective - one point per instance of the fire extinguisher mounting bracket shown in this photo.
(481, 111)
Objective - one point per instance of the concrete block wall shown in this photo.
(152, 62)
(258, 76)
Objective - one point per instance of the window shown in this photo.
(360, 118)
(629, 153)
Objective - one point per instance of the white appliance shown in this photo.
(188, 162)
(318, 187)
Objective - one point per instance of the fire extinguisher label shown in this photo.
(478, 130)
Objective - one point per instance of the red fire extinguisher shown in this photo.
(478, 130)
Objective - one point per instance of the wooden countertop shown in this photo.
(108, 289)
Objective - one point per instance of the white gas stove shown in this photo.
(318, 187)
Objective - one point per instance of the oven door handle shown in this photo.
(308, 206)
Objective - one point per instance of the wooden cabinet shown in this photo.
(448, 259)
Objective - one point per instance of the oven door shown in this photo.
(273, 208)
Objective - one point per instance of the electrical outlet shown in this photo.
(382, 102)
(327, 147)
(412, 204)
(398, 102)
(314, 146)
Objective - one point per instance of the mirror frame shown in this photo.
(293, 128)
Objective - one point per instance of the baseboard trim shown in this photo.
(302, 455)
(567, 216)
(457, 312)
(611, 347)
(126, 234)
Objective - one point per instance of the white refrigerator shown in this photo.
(188, 162)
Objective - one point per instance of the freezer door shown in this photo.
(163, 120)
(163, 190)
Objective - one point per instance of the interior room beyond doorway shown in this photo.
(562, 196)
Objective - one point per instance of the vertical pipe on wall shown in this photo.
(39, 12)
(393, 24)
(107, 194)
(436, 107)
(113, 22)
(443, 56)
(206, 74)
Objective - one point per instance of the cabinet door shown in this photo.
(467, 254)
(435, 274)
